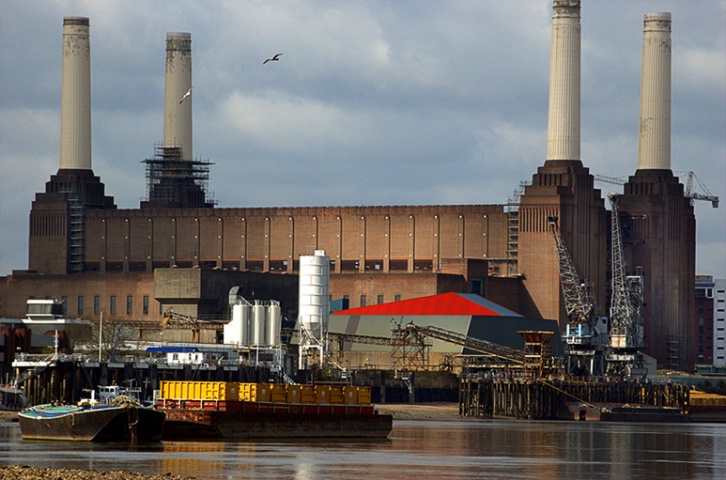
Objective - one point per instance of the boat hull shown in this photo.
(185, 424)
(622, 413)
(106, 424)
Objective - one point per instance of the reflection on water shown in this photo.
(454, 449)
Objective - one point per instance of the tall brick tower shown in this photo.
(563, 187)
(57, 215)
(659, 227)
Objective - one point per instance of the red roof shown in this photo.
(452, 304)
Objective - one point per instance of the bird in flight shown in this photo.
(273, 58)
(189, 92)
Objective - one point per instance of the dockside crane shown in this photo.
(626, 319)
(586, 334)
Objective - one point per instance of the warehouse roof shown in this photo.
(450, 304)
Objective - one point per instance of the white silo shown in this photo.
(257, 325)
(273, 323)
(314, 302)
(245, 324)
(237, 330)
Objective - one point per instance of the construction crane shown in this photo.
(626, 328)
(177, 321)
(691, 192)
(586, 333)
(692, 182)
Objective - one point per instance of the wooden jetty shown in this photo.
(539, 399)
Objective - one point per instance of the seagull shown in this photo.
(189, 92)
(274, 58)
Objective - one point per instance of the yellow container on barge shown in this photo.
(264, 392)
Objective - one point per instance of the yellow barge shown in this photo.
(232, 410)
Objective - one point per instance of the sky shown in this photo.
(408, 102)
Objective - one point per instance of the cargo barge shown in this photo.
(238, 411)
(706, 407)
(92, 422)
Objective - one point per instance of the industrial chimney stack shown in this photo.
(659, 218)
(75, 141)
(654, 141)
(563, 125)
(174, 179)
(562, 187)
(177, 104)
(58, 216)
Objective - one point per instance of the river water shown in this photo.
(444, 450)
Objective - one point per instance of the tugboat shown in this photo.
(123, 419)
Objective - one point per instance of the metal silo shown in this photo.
(273, 324)
(257, 325)
(314, 302)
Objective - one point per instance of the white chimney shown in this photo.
(563, 123)
(178, 82)
(654, 141)
(75, 141)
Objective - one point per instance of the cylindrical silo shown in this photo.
(75, 141)
(177, 104)
(245, 324)
(314, 302)
(257, 325)
(274, 322)
(232, 331)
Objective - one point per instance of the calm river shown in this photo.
(450, 449)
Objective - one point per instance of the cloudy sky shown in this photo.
(372, 103)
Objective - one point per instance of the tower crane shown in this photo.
(692, 182)
(626, 318)
(586, 334)
(691, 192)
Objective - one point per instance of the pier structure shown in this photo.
(69, 378)
(539, 399)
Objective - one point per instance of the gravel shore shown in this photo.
(420, 411)
(23, 472)
(8, 416)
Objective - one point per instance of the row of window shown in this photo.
(97, 307)
(256, 265)
(380, 299)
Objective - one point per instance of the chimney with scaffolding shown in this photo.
(173, 179)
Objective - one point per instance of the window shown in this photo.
(129, 305)
(96, 304)
(397, 298)
(477, 286)
(380, 299)
(362, 300)
(113, 304)
(80, 304)
(146, 304)
(64, 301)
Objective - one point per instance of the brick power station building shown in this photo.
(177, 249)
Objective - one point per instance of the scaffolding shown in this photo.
(173, 182)
(511, 213)
(76, 233)
(538, 361)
